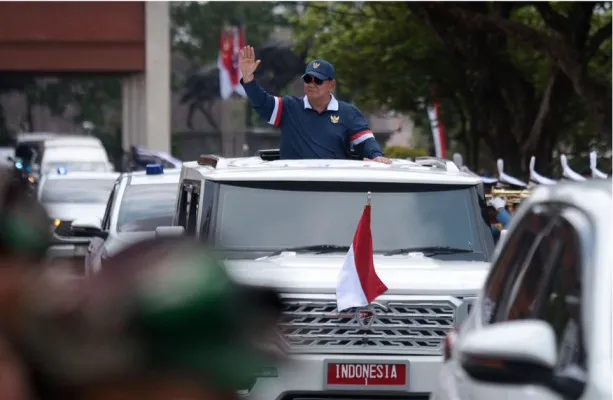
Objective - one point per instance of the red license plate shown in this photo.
(390, 376)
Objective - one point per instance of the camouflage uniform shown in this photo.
(24, 225)
(162, 309)
(24, 240)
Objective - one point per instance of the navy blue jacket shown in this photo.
(307, 134)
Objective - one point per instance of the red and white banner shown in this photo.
(358, 283)
(232, 40)
(438, 131)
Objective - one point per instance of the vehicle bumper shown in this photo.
(446, 387)
(303, 378)
(69, 257)
(67, 250)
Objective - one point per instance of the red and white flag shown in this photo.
(232, 40)
(438, 131)
(358, 283)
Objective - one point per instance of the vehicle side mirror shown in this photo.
(88, 226)
(522, 352)
(169, 231)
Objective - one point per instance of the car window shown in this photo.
(506, 267)
(76, 190)
(549, 287)
(145, 207)
(106, 219)
(403, 216)
(26, 152)
(561, 300)
(521, 299)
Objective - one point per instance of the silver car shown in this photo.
(69, 196)
(140, 202)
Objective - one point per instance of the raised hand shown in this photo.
(247, 63)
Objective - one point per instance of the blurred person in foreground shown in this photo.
(24, 240)
(316, 126)
(164, 321)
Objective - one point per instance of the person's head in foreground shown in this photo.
(319, 81)
(164, 322)
(25, 227)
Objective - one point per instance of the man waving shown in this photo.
(317, 126)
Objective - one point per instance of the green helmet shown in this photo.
(24, 224)
(168, 309)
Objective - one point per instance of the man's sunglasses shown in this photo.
(309, 78)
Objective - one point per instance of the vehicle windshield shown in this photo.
(94, 191)
(274, 216)
(74, 166)
(145, 207)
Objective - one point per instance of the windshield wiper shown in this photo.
(316, 248)
(430, 250)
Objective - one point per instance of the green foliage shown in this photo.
(490, 79)
(403, 152)
(382, 59)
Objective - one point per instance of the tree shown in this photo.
(496, 89)
(11, 83)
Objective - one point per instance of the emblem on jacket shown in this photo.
(335, 119)
(315, 65)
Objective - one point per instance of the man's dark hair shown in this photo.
(24, 224)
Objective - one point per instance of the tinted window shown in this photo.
(509, 262)
(561, 299)
(26, 152)
(273, 216)
(522, 297)
(145, 207)
(76, 190)
(549, 287)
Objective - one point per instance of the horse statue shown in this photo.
(280, 65)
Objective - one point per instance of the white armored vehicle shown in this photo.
(288, 224)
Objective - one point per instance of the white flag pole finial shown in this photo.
(368, 198)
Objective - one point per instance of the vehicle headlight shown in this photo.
(463, 311)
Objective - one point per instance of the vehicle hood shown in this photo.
(116, 243)
(72, 211)
(402, 274)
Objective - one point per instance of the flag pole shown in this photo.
(368, 198)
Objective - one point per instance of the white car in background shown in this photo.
(74, 153)
(541, 328)
(68, 196)
(139, 203)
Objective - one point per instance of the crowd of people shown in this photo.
(162, 320)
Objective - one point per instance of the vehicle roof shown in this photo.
(74, 154)
(34, 137)
(141, 178)
(84, 175)
(400, 171)
(68, 141)
(583, 194)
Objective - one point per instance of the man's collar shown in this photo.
(332, 105)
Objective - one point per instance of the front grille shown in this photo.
(63, 229)
(402, 326)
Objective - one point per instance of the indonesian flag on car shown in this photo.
(231, 41)
(358, 283)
